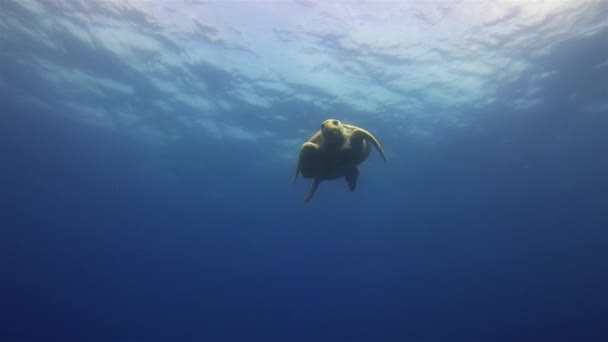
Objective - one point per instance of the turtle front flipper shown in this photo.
(308, 152)
(308, 161)
(360, 134)
(313, 188)
(293, 180)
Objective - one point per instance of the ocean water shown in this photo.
(147, 150)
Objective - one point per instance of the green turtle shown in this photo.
(334, 152)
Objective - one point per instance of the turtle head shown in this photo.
(332, 131)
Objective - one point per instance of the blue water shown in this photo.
(147, 149)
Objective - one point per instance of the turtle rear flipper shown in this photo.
(313, 188)
(351, 178)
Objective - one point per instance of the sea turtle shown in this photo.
(334, 152)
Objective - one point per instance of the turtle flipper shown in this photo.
(307, 151)
(293, 180)
(313, 188)
(360, 134)
(351, 178)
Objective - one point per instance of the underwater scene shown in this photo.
(185, 170)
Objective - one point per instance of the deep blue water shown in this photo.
(493, 232)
